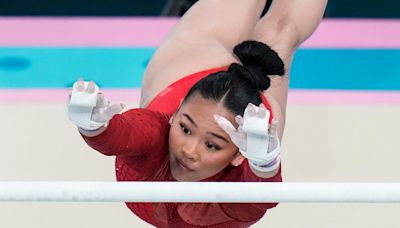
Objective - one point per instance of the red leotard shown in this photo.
(139, 140)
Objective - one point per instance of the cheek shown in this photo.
(220, 158)
(174, 138)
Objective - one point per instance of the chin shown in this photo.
(180, 175)
(180, 178)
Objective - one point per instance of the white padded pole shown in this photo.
(200, 192)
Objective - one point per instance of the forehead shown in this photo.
(201, 107)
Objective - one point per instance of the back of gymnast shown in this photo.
(212, 107)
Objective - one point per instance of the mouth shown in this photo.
(183, 165)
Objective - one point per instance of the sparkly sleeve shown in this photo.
(132, 133)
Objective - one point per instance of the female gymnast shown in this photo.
(212, 107)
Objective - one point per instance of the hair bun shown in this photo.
(260, 60)
(262, 83)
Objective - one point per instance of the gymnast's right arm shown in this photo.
(132, 133)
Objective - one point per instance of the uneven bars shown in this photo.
(224, 192)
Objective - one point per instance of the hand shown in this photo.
(256, 140)
(88, 108)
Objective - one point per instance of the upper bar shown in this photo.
(295, 96)
(226, 192)
(149, 32)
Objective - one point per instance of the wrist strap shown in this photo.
(270, 161)
(268, 167)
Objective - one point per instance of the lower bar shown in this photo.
(224, 192)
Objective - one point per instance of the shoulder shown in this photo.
(143, 114)
(146, 122)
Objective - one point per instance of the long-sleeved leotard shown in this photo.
(139, 140)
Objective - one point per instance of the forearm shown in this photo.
(113, 139)
(131, 133)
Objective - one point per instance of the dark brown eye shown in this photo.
(211, 146)
(185, 130)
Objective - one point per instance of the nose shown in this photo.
(190, 150)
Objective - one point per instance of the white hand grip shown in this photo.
(83, 98)
(254, 124)
(81, 106)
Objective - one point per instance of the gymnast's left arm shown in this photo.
(256, 138)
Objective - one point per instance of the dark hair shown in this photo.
(241, 84)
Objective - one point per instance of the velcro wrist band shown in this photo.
(268, 167)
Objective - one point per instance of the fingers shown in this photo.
(255, 119)
(225, 124)
(91, 87)
(102, 101)
(83, 94)
(114, 109)
(250, 110)
(273, 129)
(239, 120)
(79, 85)
(262, 111)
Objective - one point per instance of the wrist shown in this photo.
(93, 133)
(264, 173)
(265, 167)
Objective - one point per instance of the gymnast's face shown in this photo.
(198, 147)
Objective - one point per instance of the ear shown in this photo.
(237, 160)
(171, 119)
(173, 115)
(180, 105)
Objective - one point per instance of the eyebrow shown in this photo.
(218, 136)
(190, 119)
(211, 133)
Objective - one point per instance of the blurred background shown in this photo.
(342, 120)
(337, 8)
